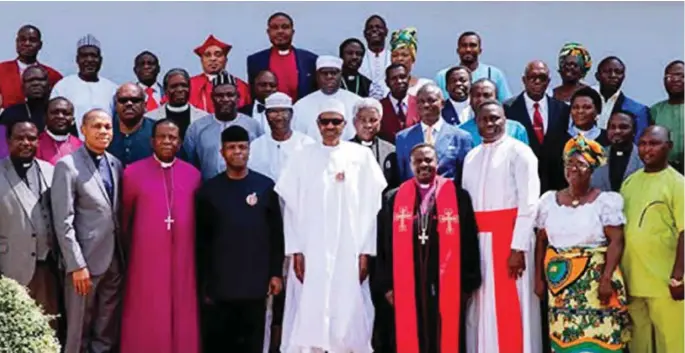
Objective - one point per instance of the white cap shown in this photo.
(88, 40)
(278, 100)
(332, 105)
(328, 61)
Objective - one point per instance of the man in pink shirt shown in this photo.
(56, 141)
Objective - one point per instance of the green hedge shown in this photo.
(24, 328)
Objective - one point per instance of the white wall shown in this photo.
(646, 35)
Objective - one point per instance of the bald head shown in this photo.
(429, 88)
(130, 87)
(658, 132)
(536, 79)
(130, 104)
(654, 147)
(536, 64)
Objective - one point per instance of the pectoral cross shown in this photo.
(423, 237)
(449, 217)
(168, 222)
(402, 216)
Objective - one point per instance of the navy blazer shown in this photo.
(641, 111)
(306, 69)
(452, 145)
(549, 153)
(449, 114)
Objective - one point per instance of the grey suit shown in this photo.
(87, 229)
(26, 233)
(600, 177)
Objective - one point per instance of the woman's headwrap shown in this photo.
(404, 38)
(582, 55)
(590, 150)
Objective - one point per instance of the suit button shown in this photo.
(33, 235)
(33, 254)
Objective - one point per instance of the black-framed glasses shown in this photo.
(134, 100)
(335, 122)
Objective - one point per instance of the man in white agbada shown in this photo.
(501, 176)
(87, 90)
(328, 77)
(332, 195)
(269, 153)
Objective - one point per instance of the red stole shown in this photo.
(285, 68)
(449, 266)
(507, 306)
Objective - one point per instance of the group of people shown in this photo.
(342, 204)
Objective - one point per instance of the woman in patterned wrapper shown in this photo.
(579, 247)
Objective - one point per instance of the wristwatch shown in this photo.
(676, 283)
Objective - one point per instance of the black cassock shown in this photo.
(426, 276)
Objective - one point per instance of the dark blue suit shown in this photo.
(641, 111)
(306, 69)
(449, 114)
(451, 143)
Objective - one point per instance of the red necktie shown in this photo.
(538, 125)
(151, 102)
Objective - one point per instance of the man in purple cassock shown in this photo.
(158, 220)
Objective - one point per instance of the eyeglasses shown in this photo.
(335, 122)
(134, 100)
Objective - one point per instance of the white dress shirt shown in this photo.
(543, 111)
(463, 109)
(436, 129)
(607, 108)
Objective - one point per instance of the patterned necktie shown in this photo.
(151, 103)
(400, 115)
(538, 125)
(428, 136)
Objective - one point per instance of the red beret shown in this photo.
(210, 41)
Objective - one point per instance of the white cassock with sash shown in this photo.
(332, 196)
(502, 177)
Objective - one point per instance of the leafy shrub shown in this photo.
(24, 328)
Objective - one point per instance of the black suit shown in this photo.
(549, 152)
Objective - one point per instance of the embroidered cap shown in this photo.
(332, 106)
(278, 100)
(88, 40)
(328, 61)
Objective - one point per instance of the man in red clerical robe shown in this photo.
(158, 220)
(213, 54)
(57, 141)
(429, 260)
(28, 43)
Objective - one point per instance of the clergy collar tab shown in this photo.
(58, 138)
(164, 165)
(180, 109)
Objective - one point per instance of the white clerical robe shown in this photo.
(499, 176)
(307, 109)
(86, 96)
(268, 156)
(332, 196)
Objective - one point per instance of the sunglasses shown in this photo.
(134, 100)
(335, 122)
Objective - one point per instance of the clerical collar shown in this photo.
(621, 153)
(424, 186)
(283, 52)
(58, 138)
(366, 143)
(164, 165)
(180, 109)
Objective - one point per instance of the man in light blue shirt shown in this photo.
(469, 49)
(202, 143)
